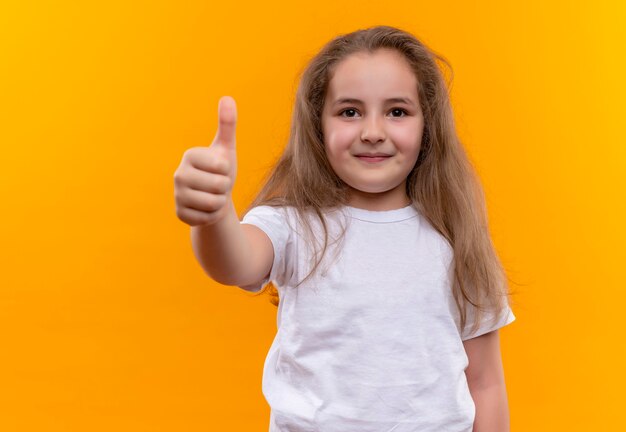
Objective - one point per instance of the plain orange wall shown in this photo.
(107, 322)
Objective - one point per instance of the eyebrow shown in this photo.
(358, 101)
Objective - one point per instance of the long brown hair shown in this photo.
(442, 186)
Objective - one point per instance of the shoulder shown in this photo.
(270, 213)
(266, 210)
(439, 245)
(278, 222)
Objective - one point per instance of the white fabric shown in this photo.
(371, 343)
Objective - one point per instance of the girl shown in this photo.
(372, 226)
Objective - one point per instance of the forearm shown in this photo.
(492, 410)
(222, 248)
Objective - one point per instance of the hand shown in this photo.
(205, 177)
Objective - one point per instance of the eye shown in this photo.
(399, 110)
(347, 110)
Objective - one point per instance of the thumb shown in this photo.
(227, 122)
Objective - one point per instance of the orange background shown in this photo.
(107, 322)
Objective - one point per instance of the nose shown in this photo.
(373, 130)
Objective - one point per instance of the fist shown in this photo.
(204, 179)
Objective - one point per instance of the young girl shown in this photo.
(373, 228)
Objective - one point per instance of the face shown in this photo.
(372, 125)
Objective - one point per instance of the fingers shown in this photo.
(203, 201)
(207, 182)
(227, 122)
(195, 217)
(205, 159)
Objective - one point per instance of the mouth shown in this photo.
(373, 158)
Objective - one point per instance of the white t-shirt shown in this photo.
(372, 342)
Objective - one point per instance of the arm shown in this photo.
(232, 253)
(485, 378)
(228, 252)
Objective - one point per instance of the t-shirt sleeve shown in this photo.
(273, 222)
(489, 322)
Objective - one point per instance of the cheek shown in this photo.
(408, 139)
(339, 137)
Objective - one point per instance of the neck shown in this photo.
(390, 200)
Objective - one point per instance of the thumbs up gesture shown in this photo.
(204, 179)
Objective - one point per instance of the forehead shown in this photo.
(381, 74)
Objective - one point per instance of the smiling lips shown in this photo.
(373, 157)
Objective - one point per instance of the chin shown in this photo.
(371, 190)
